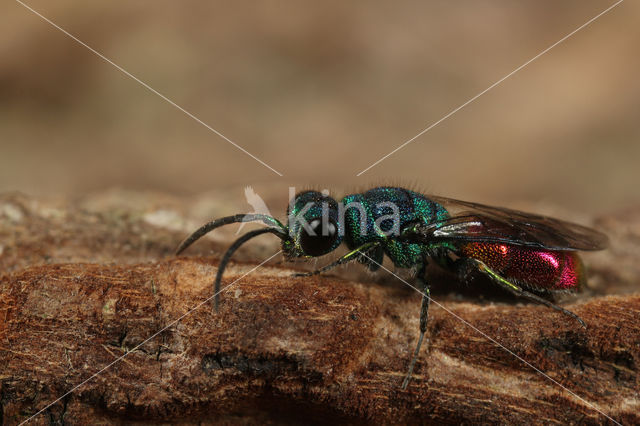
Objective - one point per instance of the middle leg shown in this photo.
(424, 316)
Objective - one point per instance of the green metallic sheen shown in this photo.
(413, 207)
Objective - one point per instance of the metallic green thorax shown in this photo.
(413, 207)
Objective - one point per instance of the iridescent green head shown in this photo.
(314, 225)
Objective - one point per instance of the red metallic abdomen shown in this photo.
(539, 269)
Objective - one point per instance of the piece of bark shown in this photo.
(82, 287)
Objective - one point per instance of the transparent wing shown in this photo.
(472, 222)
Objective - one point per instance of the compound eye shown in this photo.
(323, 240)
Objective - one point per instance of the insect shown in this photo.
(520, 252)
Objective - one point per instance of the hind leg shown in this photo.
(465, 266)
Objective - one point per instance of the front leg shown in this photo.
(349, 257)
(424, 315)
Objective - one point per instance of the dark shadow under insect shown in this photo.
(518, 251)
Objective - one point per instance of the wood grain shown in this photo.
(81, 288)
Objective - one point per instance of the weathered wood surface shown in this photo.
(85, 283)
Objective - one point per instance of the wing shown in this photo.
(471, 222)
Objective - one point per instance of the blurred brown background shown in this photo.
(321, 90)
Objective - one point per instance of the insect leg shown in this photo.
(424, 315)
(518, 291)
(349, 257)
